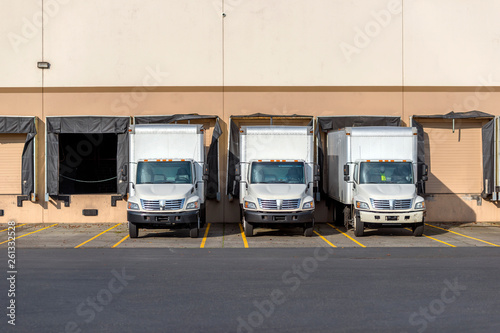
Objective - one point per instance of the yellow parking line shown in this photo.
(97, 235)
(454, 232)
(323, 238)
(437, 240)
(343, 233)
(205, 237)
(16, 226)
(120, 241)
(243, 236)
(29, 233)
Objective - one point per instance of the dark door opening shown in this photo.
(87, 163)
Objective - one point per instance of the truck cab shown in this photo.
(167, 178)
(277, 192)
(384, 195)
(276, 177)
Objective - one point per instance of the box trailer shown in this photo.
(372, 174)
(167, 177)
(276, 176)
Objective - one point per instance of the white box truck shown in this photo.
(276, 176)
(372, 175)
(167, 177)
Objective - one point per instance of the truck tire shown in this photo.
(193, 233)
(418, 230)
(308, 229)
(203, 215)
(248, 228)
(358, 226)
(133, 231)
(347, 217)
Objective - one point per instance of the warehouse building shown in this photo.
(76, 73)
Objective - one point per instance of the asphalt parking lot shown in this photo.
(224, 235)
(94, 278)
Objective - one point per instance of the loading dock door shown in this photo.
(454, 158)
(84, 138)
(11, 151)
(17, 165)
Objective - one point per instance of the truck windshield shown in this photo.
(385, 173)
(164, 173)
(277, 172)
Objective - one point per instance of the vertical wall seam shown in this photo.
(403, 63)
(224, 205)
(43, 111)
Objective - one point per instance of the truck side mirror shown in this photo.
(346, 173)
(425, 178)
(124, 171)
(317, 170)
(206, 170)
(425, 170)
(237, 171)
(237, 178)
(317, 178)
(346, 170)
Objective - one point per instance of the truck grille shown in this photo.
(402, 204)
(279, 204)
(391, 204)
(290, 204)
(162, 204)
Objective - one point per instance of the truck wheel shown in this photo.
(133, 231)
(193, 233)
(203, 215)
(248, 228)
(418, 230)
(347, 217)
(308, 229)
(358, 226)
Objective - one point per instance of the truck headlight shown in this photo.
(362, 205)
(192, 205)
(308, 205)
(250, 205)
(133, 205)
(420, 205)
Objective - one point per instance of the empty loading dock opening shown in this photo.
(87, 163)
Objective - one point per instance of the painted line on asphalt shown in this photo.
(205, 237)
(105, 231)
(29, 233)
(343, 233)
(120, 241)
(16, 226)
(454, 232)
(323, 238)
(437, 240)
(243, 235)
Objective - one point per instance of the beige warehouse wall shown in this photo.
(451, 43)
(134, 43)
(261, 43)
(21, 43)
(313, 43)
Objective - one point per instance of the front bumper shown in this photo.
(157, 219)
(391, 218)
(279, 217)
